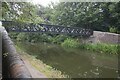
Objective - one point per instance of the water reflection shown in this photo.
(74, 62)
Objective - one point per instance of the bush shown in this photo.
(22, 37)
(13, 35)
(102, 48)
(113, 30)
(59, 39)
(34, 37)
(45, 38)
(72, 43)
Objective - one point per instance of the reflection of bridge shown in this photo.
(44, 28)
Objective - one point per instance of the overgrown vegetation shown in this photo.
(98, 47)
(101, 48)
(39, 37)
(113, 30)
(69, 42)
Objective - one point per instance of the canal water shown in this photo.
(76, 63)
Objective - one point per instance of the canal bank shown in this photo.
(37, 68)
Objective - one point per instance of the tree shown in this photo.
(96, 16)
(20, 11)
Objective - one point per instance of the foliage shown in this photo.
(34, 37)
(22, 37)
(59, 39)
(102, 48)
(39, 37)
(72, 43)
(99, 47)
(45, 38)
(13, 35)
(20, 11)
(67, 42)
(96, 16)
(113, 30)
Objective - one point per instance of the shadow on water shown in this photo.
(74, 62)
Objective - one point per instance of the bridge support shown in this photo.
(13, 66)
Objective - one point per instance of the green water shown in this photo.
(74, 62)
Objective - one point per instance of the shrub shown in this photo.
(113, 30)
(59, 39)
(102, 48)
(13, 35)
(21, 37)
(72, 43)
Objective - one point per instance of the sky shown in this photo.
(44, 2)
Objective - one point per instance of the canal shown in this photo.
(76, 63)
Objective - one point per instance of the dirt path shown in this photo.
(34, 72)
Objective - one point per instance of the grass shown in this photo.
(40, 66)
